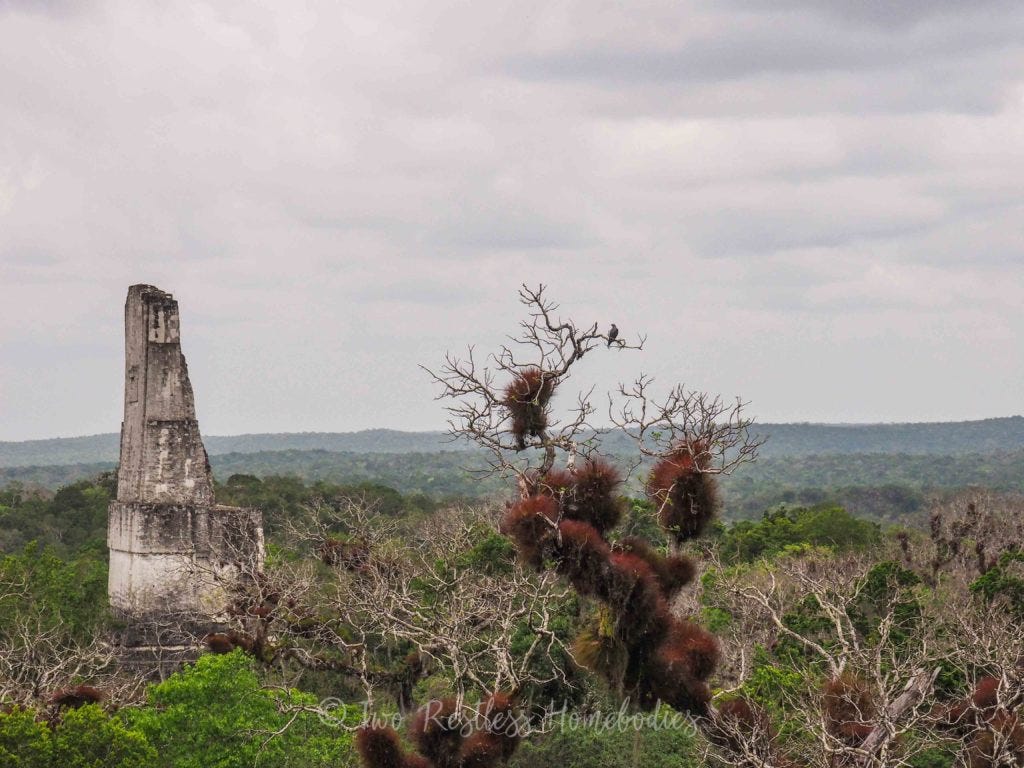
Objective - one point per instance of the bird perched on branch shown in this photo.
(613, 334)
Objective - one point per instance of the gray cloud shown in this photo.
(779, 39)
(813, 204)
(890, 15)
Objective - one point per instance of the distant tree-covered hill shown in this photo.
(94, 449)
(940, 438)
(943, 439)
(882, 486)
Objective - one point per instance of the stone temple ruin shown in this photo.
(175, 555)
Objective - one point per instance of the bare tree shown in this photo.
(43, 662)
(967, 534)
(715, 431)
(459, 619)
(38, 659)
(870, 663)
(504, 404)
(362, 590)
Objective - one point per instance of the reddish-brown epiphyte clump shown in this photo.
(437, 732)
(976, 708)
(740, 723)
(685, 495)
(673, 572)
(633, 592)
(530, 522)
(239, 640)
(413, 662)
(589, 493)
(593, 496)
(849, 708)
(1012, 729)
(379, 748)
(219, 642)
(582, 557)
(526, 398)
(480, 750)
(498, 731)
(666, 678)
(1000, 743)
(676, 672)
(226, 642)
(260, 611)
(305, 625)
(745, 714)
(693, 646)
(330, 551)
(78, 696)
(985, 697)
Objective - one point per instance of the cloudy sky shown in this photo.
(817, 205)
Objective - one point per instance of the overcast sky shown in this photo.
(816, 205)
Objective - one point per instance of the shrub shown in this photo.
(215, 714)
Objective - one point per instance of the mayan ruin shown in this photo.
(173, 551)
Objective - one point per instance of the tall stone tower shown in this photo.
(174, 554)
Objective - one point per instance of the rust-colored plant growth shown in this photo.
(984, 719)
(565, 523)
(849, 710)
(526, 398)
(684, 493)
(445, 738)
(77, 696)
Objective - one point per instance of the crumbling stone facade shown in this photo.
(174, 553)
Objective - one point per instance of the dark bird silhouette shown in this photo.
(613, 334)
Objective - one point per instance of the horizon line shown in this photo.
(444, 432)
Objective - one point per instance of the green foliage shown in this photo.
(215, 714)
(884, 472)
(493, 554)
(807, 620)
(587, 747)
(1004, 581)
(24, 742)
(87, 738)
(714, 616)
(427, 476)
(716, 619)
(84, 738)
(888, 585)
(76, 516)
(565, 624)
(773, 686)
(831, 527)
(70, 594)
(885, 485)
(641, 520)
(786, 440)
(933, 757)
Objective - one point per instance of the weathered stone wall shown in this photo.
(162, 453)
(173, 552)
